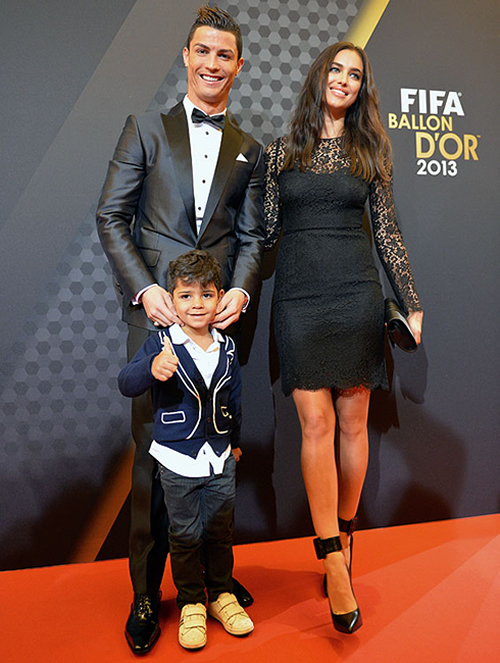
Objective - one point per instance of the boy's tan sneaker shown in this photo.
(230, 614)
(193, 626)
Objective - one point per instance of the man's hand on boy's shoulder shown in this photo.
(159, 307)
(165, 363)
(229, 308)
(237, 453)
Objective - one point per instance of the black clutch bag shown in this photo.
(398, 329)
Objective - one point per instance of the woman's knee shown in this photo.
(352, 424)
(352, 412)
(317, 424)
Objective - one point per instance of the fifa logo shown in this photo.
(430, 115)
(431, 102)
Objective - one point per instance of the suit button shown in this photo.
(209, 419)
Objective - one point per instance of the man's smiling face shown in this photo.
(212, 63)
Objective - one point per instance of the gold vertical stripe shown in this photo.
(366, 21)
(87, 548)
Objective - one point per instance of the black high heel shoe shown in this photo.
(347, 526)
(347, 622)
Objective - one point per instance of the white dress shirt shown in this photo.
(206, 362)
(205, 143)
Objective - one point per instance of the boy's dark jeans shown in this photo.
(201, 512)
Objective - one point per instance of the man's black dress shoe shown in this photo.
(142, 629)
(242, 594)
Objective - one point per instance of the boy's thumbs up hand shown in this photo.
(167, 346)
(165, 363)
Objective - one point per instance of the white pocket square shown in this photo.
(241, 157)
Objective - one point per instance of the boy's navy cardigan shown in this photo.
(186, 413)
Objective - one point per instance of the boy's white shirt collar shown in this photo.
(179, 337)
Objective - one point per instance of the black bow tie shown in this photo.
(217, 121)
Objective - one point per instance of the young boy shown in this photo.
(194, 376)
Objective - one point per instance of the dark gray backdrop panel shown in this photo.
(440, 458)
(48, 51)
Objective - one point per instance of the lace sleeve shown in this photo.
(273, 161)
(390, 245)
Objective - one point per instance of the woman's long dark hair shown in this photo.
(365, 139)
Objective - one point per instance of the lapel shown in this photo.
(190, 370)
(229, 150)
(176, 130)
(220, 368)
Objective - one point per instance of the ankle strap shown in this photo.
(347, 526)
(326, 546)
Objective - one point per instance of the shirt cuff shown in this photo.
(137, 299)
(247, 303)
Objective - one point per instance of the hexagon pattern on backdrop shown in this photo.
(59, 397)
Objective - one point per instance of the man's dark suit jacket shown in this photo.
(146, 216)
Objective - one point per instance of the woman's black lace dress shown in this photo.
(328, 306)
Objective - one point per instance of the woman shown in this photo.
(328, 306)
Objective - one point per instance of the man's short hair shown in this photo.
(194, 267)
(213, 17)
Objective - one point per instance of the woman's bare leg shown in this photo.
(317, 420)
(352, 452)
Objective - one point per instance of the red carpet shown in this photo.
(428, 593)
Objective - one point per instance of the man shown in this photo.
(179, 180)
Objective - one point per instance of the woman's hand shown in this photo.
(415, 319)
